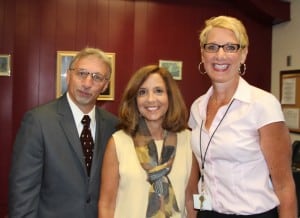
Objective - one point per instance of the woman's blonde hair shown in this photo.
(226, 22)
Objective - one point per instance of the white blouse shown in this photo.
(236, 174)
(133, 190)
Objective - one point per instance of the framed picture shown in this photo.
(63, 60)
(4, 65)
(174, 67)
(290, 98)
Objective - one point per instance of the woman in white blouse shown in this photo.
(239, 136)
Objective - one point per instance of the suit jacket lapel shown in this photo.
(99, 145)
(69, 127)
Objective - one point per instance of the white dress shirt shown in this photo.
(236, 174)
(78, 115)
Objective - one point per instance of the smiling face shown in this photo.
(152, 99)
(84, 91)
(223, 66)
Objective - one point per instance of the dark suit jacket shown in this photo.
(48, 177)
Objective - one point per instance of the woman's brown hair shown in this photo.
(176, 117)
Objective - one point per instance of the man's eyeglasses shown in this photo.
(228, 48)
(83, 74)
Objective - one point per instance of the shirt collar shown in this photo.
(77, 113)
(242, 93)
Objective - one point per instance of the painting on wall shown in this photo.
(63, 60)
(4, 65)
(174, 67)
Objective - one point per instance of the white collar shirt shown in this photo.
(236, 174)
(78, 115)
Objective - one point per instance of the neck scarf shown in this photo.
(161, 200)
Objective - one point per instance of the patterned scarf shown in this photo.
(161, 201)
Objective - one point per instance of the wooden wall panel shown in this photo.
(260, 49)
(86, 24)
(140, 34)
(82, 23)
(65, 17)
(120, 33)
(26, 59)
(47, 51)
(102, 24)
(7, 20)
(91, 24)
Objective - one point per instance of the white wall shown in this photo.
(286, 41)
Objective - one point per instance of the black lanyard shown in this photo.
(208, 144)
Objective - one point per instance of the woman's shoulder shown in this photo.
(121, 134)
(264, 99)
(197, 101)
(184, 135)
(256, 92)
(122, 140)
(185, 132)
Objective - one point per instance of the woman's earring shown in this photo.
(242, 69)
(199, 68)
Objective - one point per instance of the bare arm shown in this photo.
(191, 189)
(109, 182)
(276, 147)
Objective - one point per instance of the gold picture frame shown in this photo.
(5, 65)
(62, 64)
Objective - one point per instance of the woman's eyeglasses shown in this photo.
(228, 48)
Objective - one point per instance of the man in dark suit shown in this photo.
(49, 177)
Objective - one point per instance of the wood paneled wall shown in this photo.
(139, 32)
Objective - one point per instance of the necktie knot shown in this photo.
(86, 120)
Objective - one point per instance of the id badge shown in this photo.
(202, 201)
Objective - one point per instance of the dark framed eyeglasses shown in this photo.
(214, 48)
(83, 74)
